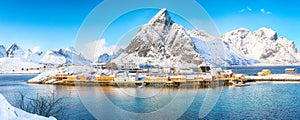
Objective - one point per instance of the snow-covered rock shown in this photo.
(161, 42)
(2, 51)
(67, 56)
(262, 45)
(8, 112)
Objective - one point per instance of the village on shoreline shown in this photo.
(132, 74)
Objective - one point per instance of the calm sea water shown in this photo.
(11, 85)
(256, 69)
(263, 100)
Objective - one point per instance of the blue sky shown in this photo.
(54, 24)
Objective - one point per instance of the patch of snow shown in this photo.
(8, 112)
(15, 65)
(43, 76)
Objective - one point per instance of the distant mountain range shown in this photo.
(165, 43)
(60, 56)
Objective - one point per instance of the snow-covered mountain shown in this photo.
(263, 45)
(33, 56)
(15, 51)
(67, 56)
(2, 51)
(161, 42)
(215, 51)
(20, 59)
(107, 57)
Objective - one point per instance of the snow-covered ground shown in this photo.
(72, 70)
(44, 75)
(15, 65)
(8, 112)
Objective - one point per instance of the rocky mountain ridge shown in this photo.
(59, 56)
(263, 45)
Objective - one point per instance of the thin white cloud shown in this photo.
(247, 9)
(242, 10)
(264, 11)
(98, 47)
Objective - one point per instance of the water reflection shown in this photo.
(111, 102)
(263, 100)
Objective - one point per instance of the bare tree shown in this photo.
(50, 105)
(111, 65)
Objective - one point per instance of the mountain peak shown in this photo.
(13, 46)
(267, 32)
(71, 49)
(240, 30)
(161, 42)
(243, 29)
(14, 51)
(162, 17)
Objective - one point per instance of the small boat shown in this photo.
(240, 84)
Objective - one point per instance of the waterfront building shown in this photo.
(264, 72)
(131, 65)
(98, 65)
